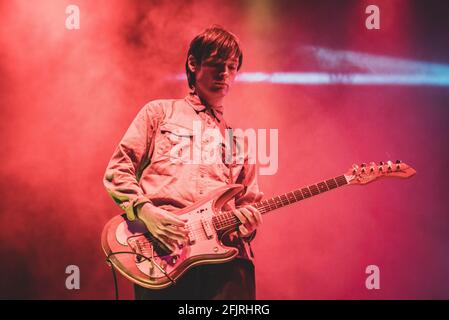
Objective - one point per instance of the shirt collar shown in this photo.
(195, 102)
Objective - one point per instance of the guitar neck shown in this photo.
(228, 220)
(285, 199)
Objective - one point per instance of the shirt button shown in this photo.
(201, 191)
(202, 175)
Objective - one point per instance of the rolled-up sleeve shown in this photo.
(122, 176)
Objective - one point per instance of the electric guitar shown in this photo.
(132, 250)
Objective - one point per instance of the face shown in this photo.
(214, 77)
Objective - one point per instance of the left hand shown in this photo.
(250, 218)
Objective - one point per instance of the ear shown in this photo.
(191, 62)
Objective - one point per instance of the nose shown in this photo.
(224, 71)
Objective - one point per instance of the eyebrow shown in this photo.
(220, 60)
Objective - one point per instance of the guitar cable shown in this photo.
(114, 274)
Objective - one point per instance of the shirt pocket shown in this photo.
(173, 147)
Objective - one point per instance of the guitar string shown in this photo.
(227, 219)
(272, 204)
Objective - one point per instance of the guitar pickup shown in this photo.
(191, 237)
(207, 229)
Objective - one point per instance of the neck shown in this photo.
(208, 102)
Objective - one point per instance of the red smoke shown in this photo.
(67, 97)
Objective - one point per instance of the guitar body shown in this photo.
(160, 268)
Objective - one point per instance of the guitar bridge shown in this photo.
(137, 246)
(146, 245)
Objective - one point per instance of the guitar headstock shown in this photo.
(364, 173)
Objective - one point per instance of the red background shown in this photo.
(67, 97)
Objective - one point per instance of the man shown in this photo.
(145, 181)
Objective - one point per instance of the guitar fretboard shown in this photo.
(228, 220)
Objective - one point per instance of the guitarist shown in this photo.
(144, 181)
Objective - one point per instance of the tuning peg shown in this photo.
(389, 165)
(398, 165)
(372, 166)
(363, 165)
(398, 161)
(354, 168)
(381, 163)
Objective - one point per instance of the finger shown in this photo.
(259, 196)
(239, 215)
(256, 214)
(172, 219)
(173, 234)
(175, 244)
(179, 230)
(249, 216)
(243, 230)
(165, 241)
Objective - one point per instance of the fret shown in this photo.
(322, 186)
(291, 197)
(266, 207)
(284, 200)
(306, 192)
(298, 194)
(341, 180)
(218, 222)
(331, 184)
(271, 204)
(221, 221)
(314, 189)
(278, 201)
(258, 205)
(231, 220)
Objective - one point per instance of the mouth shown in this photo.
(221, 84)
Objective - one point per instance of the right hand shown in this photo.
(166, 227)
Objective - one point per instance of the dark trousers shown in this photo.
(234, 280)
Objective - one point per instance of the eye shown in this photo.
(212, 64)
